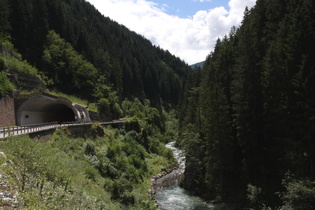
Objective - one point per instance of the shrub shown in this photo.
(90, 173)
(103, 106)
(299, 194)
(15, 64)
(5, 85)
(253, 194)
(121, 190)
(96, 130)
(89, 148)
(133, 125)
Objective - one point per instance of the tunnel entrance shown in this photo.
(45, 109)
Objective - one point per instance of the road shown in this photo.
(21, 130)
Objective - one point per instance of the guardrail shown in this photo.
(20, 130)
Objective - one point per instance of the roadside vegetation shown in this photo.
(104, 168)
(74, 99)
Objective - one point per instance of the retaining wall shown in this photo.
(7, 112)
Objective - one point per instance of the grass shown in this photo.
(74, 99)
(109, 171)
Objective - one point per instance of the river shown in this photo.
(171, 196)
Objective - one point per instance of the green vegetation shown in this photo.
(299, 194)
(12, 60)
(5, 85)
(109, 107)
(17, 65)
(101, 169)
(65, 67)
(74, 99)
(249, 113)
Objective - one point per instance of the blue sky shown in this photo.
(187, 8)
(186, 28)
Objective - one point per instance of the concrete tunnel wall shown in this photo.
(45, 109)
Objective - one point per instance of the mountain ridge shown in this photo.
(197, 65)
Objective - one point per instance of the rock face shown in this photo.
(25, 81)
(164, 179)
(94, 116)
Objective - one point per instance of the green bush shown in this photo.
(5, 85)
(121, 190)
(14, 64)
(133, 124)
(299, 194)
(103, 105)
(90, 173)
(89, 148)
(96, 130)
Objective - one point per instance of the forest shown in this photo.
(250, 112)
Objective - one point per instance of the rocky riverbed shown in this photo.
(166, 190)
(165, 178)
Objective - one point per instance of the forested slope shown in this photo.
(252, 111)
(122, 59)
(70, 49)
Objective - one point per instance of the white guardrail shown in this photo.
(20, 130)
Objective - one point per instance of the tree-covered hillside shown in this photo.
(252, 117)
(69, 48)
(120, 58)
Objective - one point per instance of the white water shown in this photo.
(172, 196)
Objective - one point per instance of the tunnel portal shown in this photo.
(48, 109)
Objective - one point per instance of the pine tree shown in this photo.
(5, 25)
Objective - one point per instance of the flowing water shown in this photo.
(170, 196)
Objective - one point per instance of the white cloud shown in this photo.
(191, 39)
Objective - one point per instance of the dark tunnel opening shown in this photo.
(45, 110)
(58, 113)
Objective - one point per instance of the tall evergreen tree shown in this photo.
(5, 25)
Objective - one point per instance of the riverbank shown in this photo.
(160, 180)
(167, 191)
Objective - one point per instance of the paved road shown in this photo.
(20, 130)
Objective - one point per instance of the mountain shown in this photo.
(197, 65)
(121, 59)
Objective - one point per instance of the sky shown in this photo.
(188, 29)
